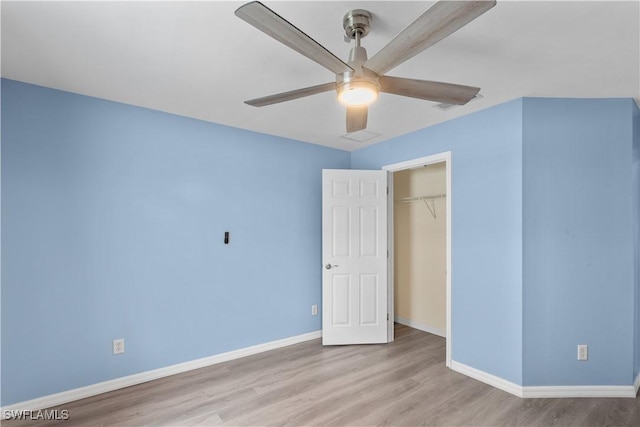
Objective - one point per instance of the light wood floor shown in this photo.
(400, 384)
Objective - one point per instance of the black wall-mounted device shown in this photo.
(226, 237)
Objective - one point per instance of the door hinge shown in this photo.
(387, 253)
(387, 190)
(387, 317)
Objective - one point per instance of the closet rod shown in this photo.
(418, 198)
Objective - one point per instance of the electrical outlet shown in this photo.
(118, 346)
(583, 352)
(314, 309)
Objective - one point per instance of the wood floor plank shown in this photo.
(404, 383)
(620, 412)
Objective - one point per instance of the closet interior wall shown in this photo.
(420, 247)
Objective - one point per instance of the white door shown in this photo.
(354, 257)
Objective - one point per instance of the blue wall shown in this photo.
(112, 227)
(636, 228)
(113, 218)
(486, 281)
(578, 249)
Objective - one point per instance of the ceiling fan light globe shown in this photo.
(357, 96)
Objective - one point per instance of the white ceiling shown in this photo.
(197, 59)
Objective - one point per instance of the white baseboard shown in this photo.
(529, 392)
(540, 392)
(118, 383)
(421, 326)
(486, 378)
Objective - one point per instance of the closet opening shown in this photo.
(420, 245)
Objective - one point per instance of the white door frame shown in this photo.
(410, 164)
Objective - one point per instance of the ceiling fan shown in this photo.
(360, 80)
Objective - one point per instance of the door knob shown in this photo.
(328, 266)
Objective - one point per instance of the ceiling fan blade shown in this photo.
(441, 20)
(292, 94)
(357, 118)
(432, 91)
(272, 24)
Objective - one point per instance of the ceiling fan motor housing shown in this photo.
(360, 76)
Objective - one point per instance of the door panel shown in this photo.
(354, 251)
(368, 299)
(368, 228)
(341, 304)
(340, 238)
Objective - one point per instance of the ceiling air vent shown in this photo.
(360, 136)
